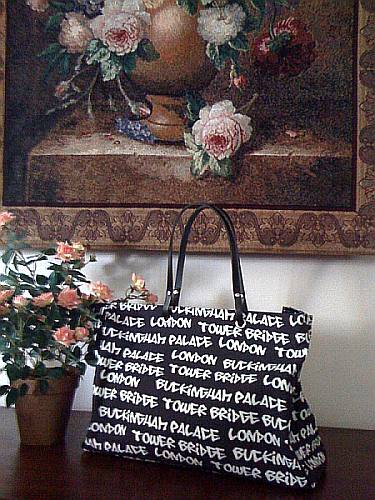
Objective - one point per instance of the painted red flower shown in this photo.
(290, 50)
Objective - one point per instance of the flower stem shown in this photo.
(273, 20)
(89, 95)
(246, 107)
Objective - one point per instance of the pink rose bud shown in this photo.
(240, 82)
(152, 298)
(68, 298)
(81, 333)
(43, 300)
(138, 282)
(101, 291)
(68, 252)
(65, 336)
(19, 301)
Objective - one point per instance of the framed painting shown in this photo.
(116, 113)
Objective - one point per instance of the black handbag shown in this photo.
(211, 388)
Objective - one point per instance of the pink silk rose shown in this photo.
(138, 282)
(152, 298)
(101, 291)
(43, 300)
(121, 26)
(65, 336)
(5, 218)
(81, 333)
(5, 295)
(19, 301)
(75, 33)
(67, 252)
(220, 130)
(68, 298)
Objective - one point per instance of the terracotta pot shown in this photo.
(43, 418)
(183, 65)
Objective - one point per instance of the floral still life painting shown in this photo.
(117, 112)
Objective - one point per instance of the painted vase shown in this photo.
(182, 66)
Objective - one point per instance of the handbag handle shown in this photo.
(172, 295)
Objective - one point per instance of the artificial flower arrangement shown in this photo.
(106, 38)
(46, 319)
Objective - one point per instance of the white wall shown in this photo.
(339, 375)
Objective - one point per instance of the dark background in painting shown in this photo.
(47, 161)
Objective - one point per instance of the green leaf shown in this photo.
(13, 372)
(260, 5)
(10, 280)
(43, 385)
(189, 142)
(40, 370)
(221, 168)
(25, 372)
(23, 390)
(26, 278)
(97, 55)
(129, 62)
(90, 358)
(41, 280)
(55, 373)
(4, 390)
(110, 69)
(52, 64)
(56, 278)
(213, 54)
(7, 256)
(190, 6)
(147, 51)
(82, 368)
(63, 6)
(53, 23)
(194, 103)
(64, 65)
(199, 163)
(77, 352)
(52, 50)
(240, 42)
(49, 251)
(11, 397)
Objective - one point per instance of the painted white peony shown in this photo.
(220, 130)
(122, 25)
(75, 33)
(219, 25)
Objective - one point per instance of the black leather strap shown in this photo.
(172, 296)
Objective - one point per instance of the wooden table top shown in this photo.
(65, 472)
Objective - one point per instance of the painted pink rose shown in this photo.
(68, 298)
(5, 218)
(121, 26)
(43, 300)
(101, 291)
(81, 333)
(38, 5)
(5, 295)
(19, 301)
(65, 336)
(67, 252)
(220, 130)
(75, 33)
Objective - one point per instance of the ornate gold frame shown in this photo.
(276, 231)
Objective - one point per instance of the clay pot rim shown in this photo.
(67, 383)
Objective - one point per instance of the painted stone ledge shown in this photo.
(104, 169)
